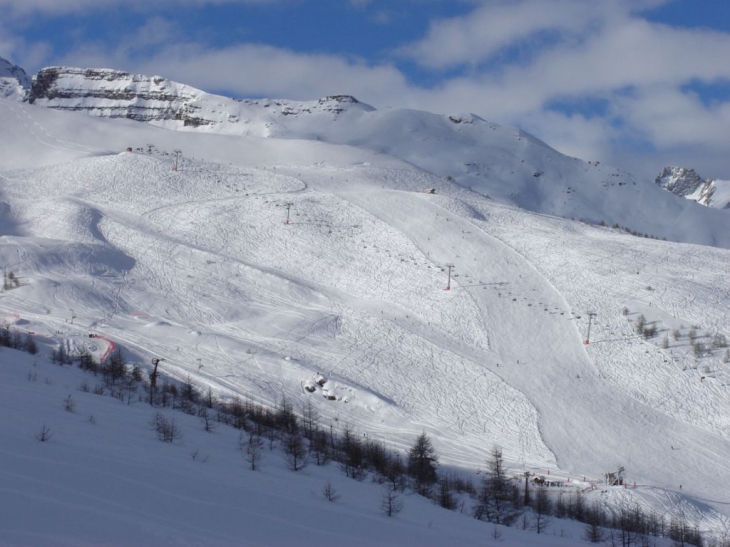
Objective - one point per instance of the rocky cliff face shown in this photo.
(116, 94)
(679, 180)
(688, 184)
(14, 82)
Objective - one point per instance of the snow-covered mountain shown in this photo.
(197, 266)
(576, 348)
(688, 184)
(14, 82)
(504, 163)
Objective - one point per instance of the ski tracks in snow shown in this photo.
(42, 135)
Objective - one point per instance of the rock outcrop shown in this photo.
(688, 184)
(14, 82)
(116, 94)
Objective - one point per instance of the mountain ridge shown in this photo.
(688, 184)
(501, 162)
(118, 94)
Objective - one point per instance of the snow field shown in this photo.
(676, 286)
(172, 263)
(188, 267)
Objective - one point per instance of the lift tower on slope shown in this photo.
(177, 153)
(591, 315)
(448, 284)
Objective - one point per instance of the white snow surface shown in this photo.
(505, 163)
(197, 266)
(719, 192)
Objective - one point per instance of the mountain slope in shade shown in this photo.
(501, 162)
(109, 481)
(688, 184)
(14, 82)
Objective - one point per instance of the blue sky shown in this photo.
(637, 83)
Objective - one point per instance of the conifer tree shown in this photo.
(497, 498)
(422, 461)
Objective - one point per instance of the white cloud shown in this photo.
(251, 69)
(475, 37)
(629, 53)
(8, 44)
(17, 50)
(22, 8)
(495, 25)
(155, 31)
(671, 118)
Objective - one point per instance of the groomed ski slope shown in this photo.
(197, 267)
